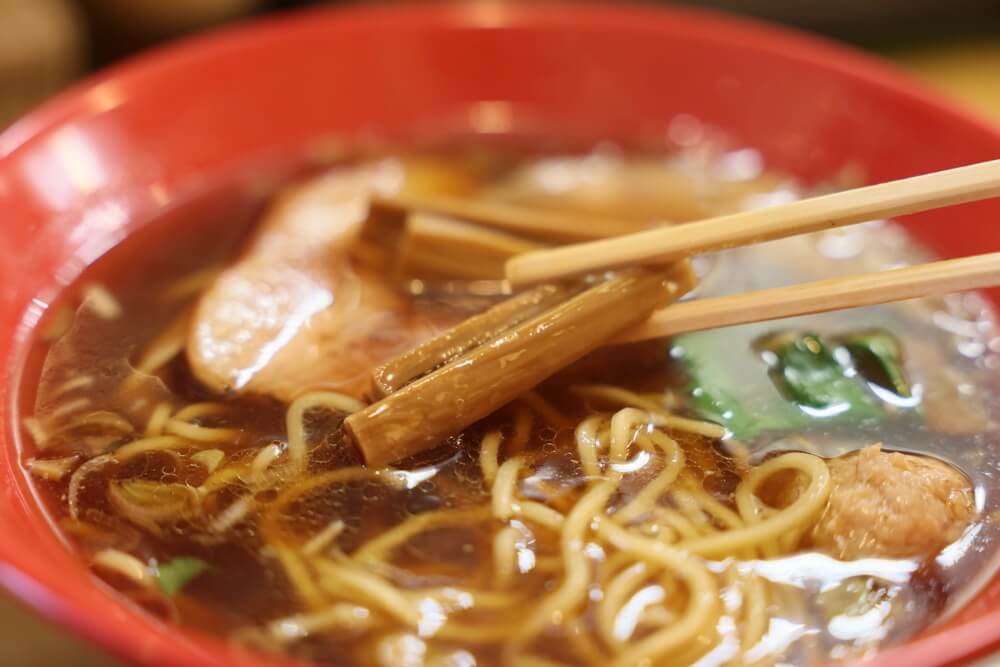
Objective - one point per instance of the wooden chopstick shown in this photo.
(933, 279)
(663, 244)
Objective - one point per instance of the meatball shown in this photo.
(892, 505)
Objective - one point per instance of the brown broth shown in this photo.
(246, 586)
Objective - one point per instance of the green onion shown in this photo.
(175, 574)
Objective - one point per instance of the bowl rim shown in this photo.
(713, 25)
(970, 639)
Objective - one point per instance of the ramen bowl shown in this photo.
(189, 129)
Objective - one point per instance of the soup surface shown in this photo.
(783, 492)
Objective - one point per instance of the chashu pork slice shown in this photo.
(294, 313)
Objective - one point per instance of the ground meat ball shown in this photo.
(892, 505)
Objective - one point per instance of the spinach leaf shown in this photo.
(808, 372)
(879, 359)
(804, 378)
(173, 575)
(715, 404)
(727, 385)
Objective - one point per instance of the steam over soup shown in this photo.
(788, 492)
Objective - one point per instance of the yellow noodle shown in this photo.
(168, 344)
(149, 503)
(588, 445)
(488, 455)
(654, 529)
(263, 460)
(461, 599)
(198, 410)
(78, 382)
(339, 591)
(298, 446)
(659, 615)
(549, 414)
(52, 469)
(324, 538)
(795, 517)
(617, 395)
(210, 459)
(505, 556)
(34, 428)
(557, 495)
(523, 423)
(378, 548)
(615, 564)
(738, 450)
(701, 612)
(99, 443)
(677, 522)
(102, 302)
(616, 592)
(755, 616)
(339, 580)
(725, 516)
(145, 445)
(232, 515)
(340, 616)
(753, 512)
(789, 540)
(158, 356)
(57, 324)
(201, 433)
(573, 588)
(687, 505)
(124, 564)
(695, 426)
(588, 651)
(645, 499)
(537, 661)
(68, 408)
(275, 510)
(301, 579)
(624, 426)
(473, 633)
(697, 648)
(221, 478)
(539, 513)
(190, 284)
(158, 419)
(102, 418)
(503, 492)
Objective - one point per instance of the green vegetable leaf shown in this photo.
(717, 405)
(728, 386)
(807, 371)
(804, 377)
(173, 575)
(879, 359)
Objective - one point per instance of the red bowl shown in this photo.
(139, 140)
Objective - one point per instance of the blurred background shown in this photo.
(954, 45)
(46, 44)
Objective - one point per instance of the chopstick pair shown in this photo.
(451, 381)
(661, 245)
